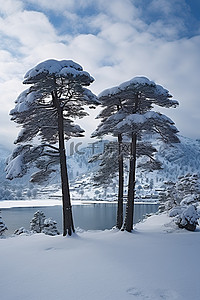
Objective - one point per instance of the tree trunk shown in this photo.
(68, 225)
(121, 185)
(128, 223)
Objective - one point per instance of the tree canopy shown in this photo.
(36, 111)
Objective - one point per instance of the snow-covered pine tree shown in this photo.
(3, 227)
(50, 227)
(188, 188)
(135, 118)
(181, 200)
(46, 112)
(186, 216)
(185, 191)
(37, 222)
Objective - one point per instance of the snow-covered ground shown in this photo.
(156, 261)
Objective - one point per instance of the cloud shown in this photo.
(114, 41)
(118, 10)
(29, 28)
(53, 5)
(9, 7)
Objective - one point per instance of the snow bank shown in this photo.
(29, 203)
(112, 265)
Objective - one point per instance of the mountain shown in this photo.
(177, 160)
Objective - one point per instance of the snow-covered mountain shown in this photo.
(180, 159)
(16, 189)
(177, 160)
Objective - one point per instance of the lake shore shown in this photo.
(54, 202)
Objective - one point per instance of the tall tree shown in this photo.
(135, 119)
(46, 112)
(112, 105)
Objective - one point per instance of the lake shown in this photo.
(98, 216)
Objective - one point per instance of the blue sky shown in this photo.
(113, 40)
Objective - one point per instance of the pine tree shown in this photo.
(185, 191)
(50, 227)
(46, 112)
(128, 112)
(37, 222)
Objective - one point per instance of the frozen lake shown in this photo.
(98, 216)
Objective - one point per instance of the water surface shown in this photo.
(98, 216)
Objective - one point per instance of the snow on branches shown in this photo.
(54, 85)
(39, 224)
(182, 200)
(64, 68)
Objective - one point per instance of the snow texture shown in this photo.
(185, 216)
(15, 167)
(142, 118)
(135, 81)
(144, 85)
(189, 199)
(148, 264)
(21, 230)
(189, 215)
(24, 101)
(50, 227)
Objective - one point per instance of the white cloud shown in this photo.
(123, 11)
(53, 5)
(124, 46)
(29, 28)
(10, 6)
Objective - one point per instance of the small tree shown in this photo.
(185, 191)
(182, 199)
(185, 216)
(3, 227)
(37, 222)
(46, 112)
(50, 227)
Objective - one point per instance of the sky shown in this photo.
(113, 40)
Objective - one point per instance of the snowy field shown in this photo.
(156, 261)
